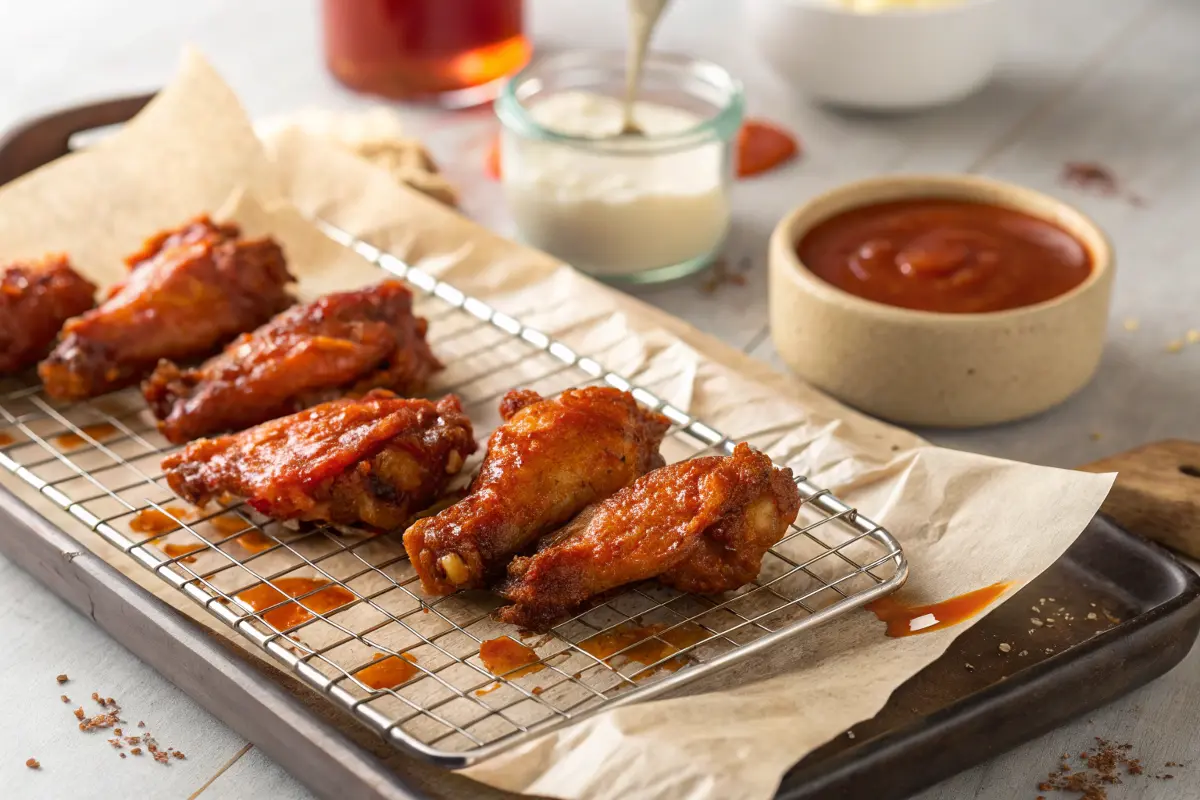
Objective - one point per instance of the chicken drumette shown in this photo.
(701, 525)
(342, 343)
(549, 460)
(377, 459)
(189, 291)
(36, 298)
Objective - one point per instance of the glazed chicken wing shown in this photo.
(342, 343)
(376, 459)
(549, 460)
(36, 298)
(190, 291)
(701, 525)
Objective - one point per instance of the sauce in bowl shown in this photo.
(948, 256)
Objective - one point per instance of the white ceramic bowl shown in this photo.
(926, 368)
(893, 60)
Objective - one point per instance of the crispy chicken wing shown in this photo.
(376, 459)
(36, 298)
(190, 291)
(346, 342)
(549, 460)
(701, 525)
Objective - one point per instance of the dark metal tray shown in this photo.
(944, 720)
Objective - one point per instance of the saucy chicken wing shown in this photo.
(189, 291)
(36, 298)
(701, 525)
(549, 460)
(342, 343)
(376, 459)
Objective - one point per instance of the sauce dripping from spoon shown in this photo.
(643, 17)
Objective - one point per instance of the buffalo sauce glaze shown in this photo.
(950, 256)
(905, 620)
(287, 615)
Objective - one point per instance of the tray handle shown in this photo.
(1157, 493)
(41, 140)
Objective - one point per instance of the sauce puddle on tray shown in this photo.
(507, 657)
(288, 615)
(905, 620)
(388, 673)
(648, 644)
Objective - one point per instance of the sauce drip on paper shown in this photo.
(509, 658)
(151, 520)
(903, 620)
(287, 615)
(391, 671)
(97, 432)
(647, 645)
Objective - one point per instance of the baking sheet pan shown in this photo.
(944, 720)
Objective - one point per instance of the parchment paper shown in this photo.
(965, 521)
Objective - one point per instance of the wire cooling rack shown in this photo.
(359, 605)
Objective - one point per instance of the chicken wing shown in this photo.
(36, 298)
(190, 291)
(701, 525)
(376, 459)
(549, 460)
(342, 343)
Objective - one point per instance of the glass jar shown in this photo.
(454, 52)
(625, 209)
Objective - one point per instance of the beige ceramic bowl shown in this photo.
(926, 368)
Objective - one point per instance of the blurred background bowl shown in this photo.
(892, 60)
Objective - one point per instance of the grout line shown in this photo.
(757, 339)
(245, 749)
(1107, 49)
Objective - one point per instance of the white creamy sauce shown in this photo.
(615, 214)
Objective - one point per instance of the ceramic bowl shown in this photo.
(893, 60)
(928, 368)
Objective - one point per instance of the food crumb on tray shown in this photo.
(33, 763)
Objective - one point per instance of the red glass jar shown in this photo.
(453, 51)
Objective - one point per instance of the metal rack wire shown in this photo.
(359, 603)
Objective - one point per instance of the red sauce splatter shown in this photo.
(647, 645)
(762, 146)
(5, 439)
(151, 520)
(178, 550)
(288, 615)
(508, 658)
(229, 524)
(899, 617)
(255, 541)
(97, 432)
(391, 671)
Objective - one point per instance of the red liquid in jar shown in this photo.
(421, 48)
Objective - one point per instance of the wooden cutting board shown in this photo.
(1157, 493)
